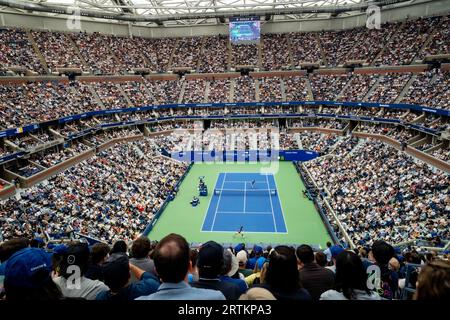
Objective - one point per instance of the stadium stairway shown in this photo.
(291, 56)
(127, 98)
(406, 88)
(232, 88)
(283, 90)
(309, 89)
(372, 89)
(95, 95)
(207, 90)
(37, 51)
(256, 90)
(183, 89)
(77, 51)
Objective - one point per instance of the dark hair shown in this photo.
(48, 291)
(434, 282)
(305, 253)
(78, 255)
(329, 244)
(171, 258)
(321, 258)
(140, 248)
(282, 271)
(99, 251)
(382, 252)
(34, 243)
(116, 271)
(193, 255)
(8, 248)
(350, 274)
(119, 246)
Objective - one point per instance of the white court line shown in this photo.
(226, 231)
(247, 212)
(271, 205)
(209, 204)
(281, 205)
(235, 181)
(218, 201)
(245, 195)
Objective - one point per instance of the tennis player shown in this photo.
(240, 232)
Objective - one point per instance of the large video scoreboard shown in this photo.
(245, 30)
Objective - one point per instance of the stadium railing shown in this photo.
(327, 204)
(155, 218)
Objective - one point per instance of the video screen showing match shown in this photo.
(245, 30)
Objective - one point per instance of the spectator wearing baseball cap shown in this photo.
(230, 271)
(172, 263)
(256, 276)
(334, 251)
(116, 271)
(254, 256)
(28, 276)
(242, 259)
(71, 280)
(210, 263)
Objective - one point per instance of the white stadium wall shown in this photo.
(125, 29)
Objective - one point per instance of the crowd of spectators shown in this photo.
(219, 91)
(357, 88)
(305, 48)
(430, 89)
(270, 90)
(194, 91)
(171, 269)
(214, 57)
(328, 87)
(244, 55)
(244, 89)
(16, 51)
(388, 88)
(404, 45)
(187, 52)
(109, 196)
(275, 51)
(380, 193)
(57, 50)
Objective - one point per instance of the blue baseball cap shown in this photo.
(239, 247)
(257, 249)
(335, 250)
(260, 262)
(28, 268)
(60, 249)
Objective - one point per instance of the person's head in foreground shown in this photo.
(257, 294)
(210, 260)
(433, 282)
(28, 276)
(172, 259)
(351, 280)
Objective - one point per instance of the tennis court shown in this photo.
(249, 200)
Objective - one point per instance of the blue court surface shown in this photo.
(236, 202)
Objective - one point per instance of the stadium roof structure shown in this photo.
(195, 12)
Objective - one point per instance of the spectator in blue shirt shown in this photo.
(172, 264)
(254, 256)
(116, 272)
(230, 270)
